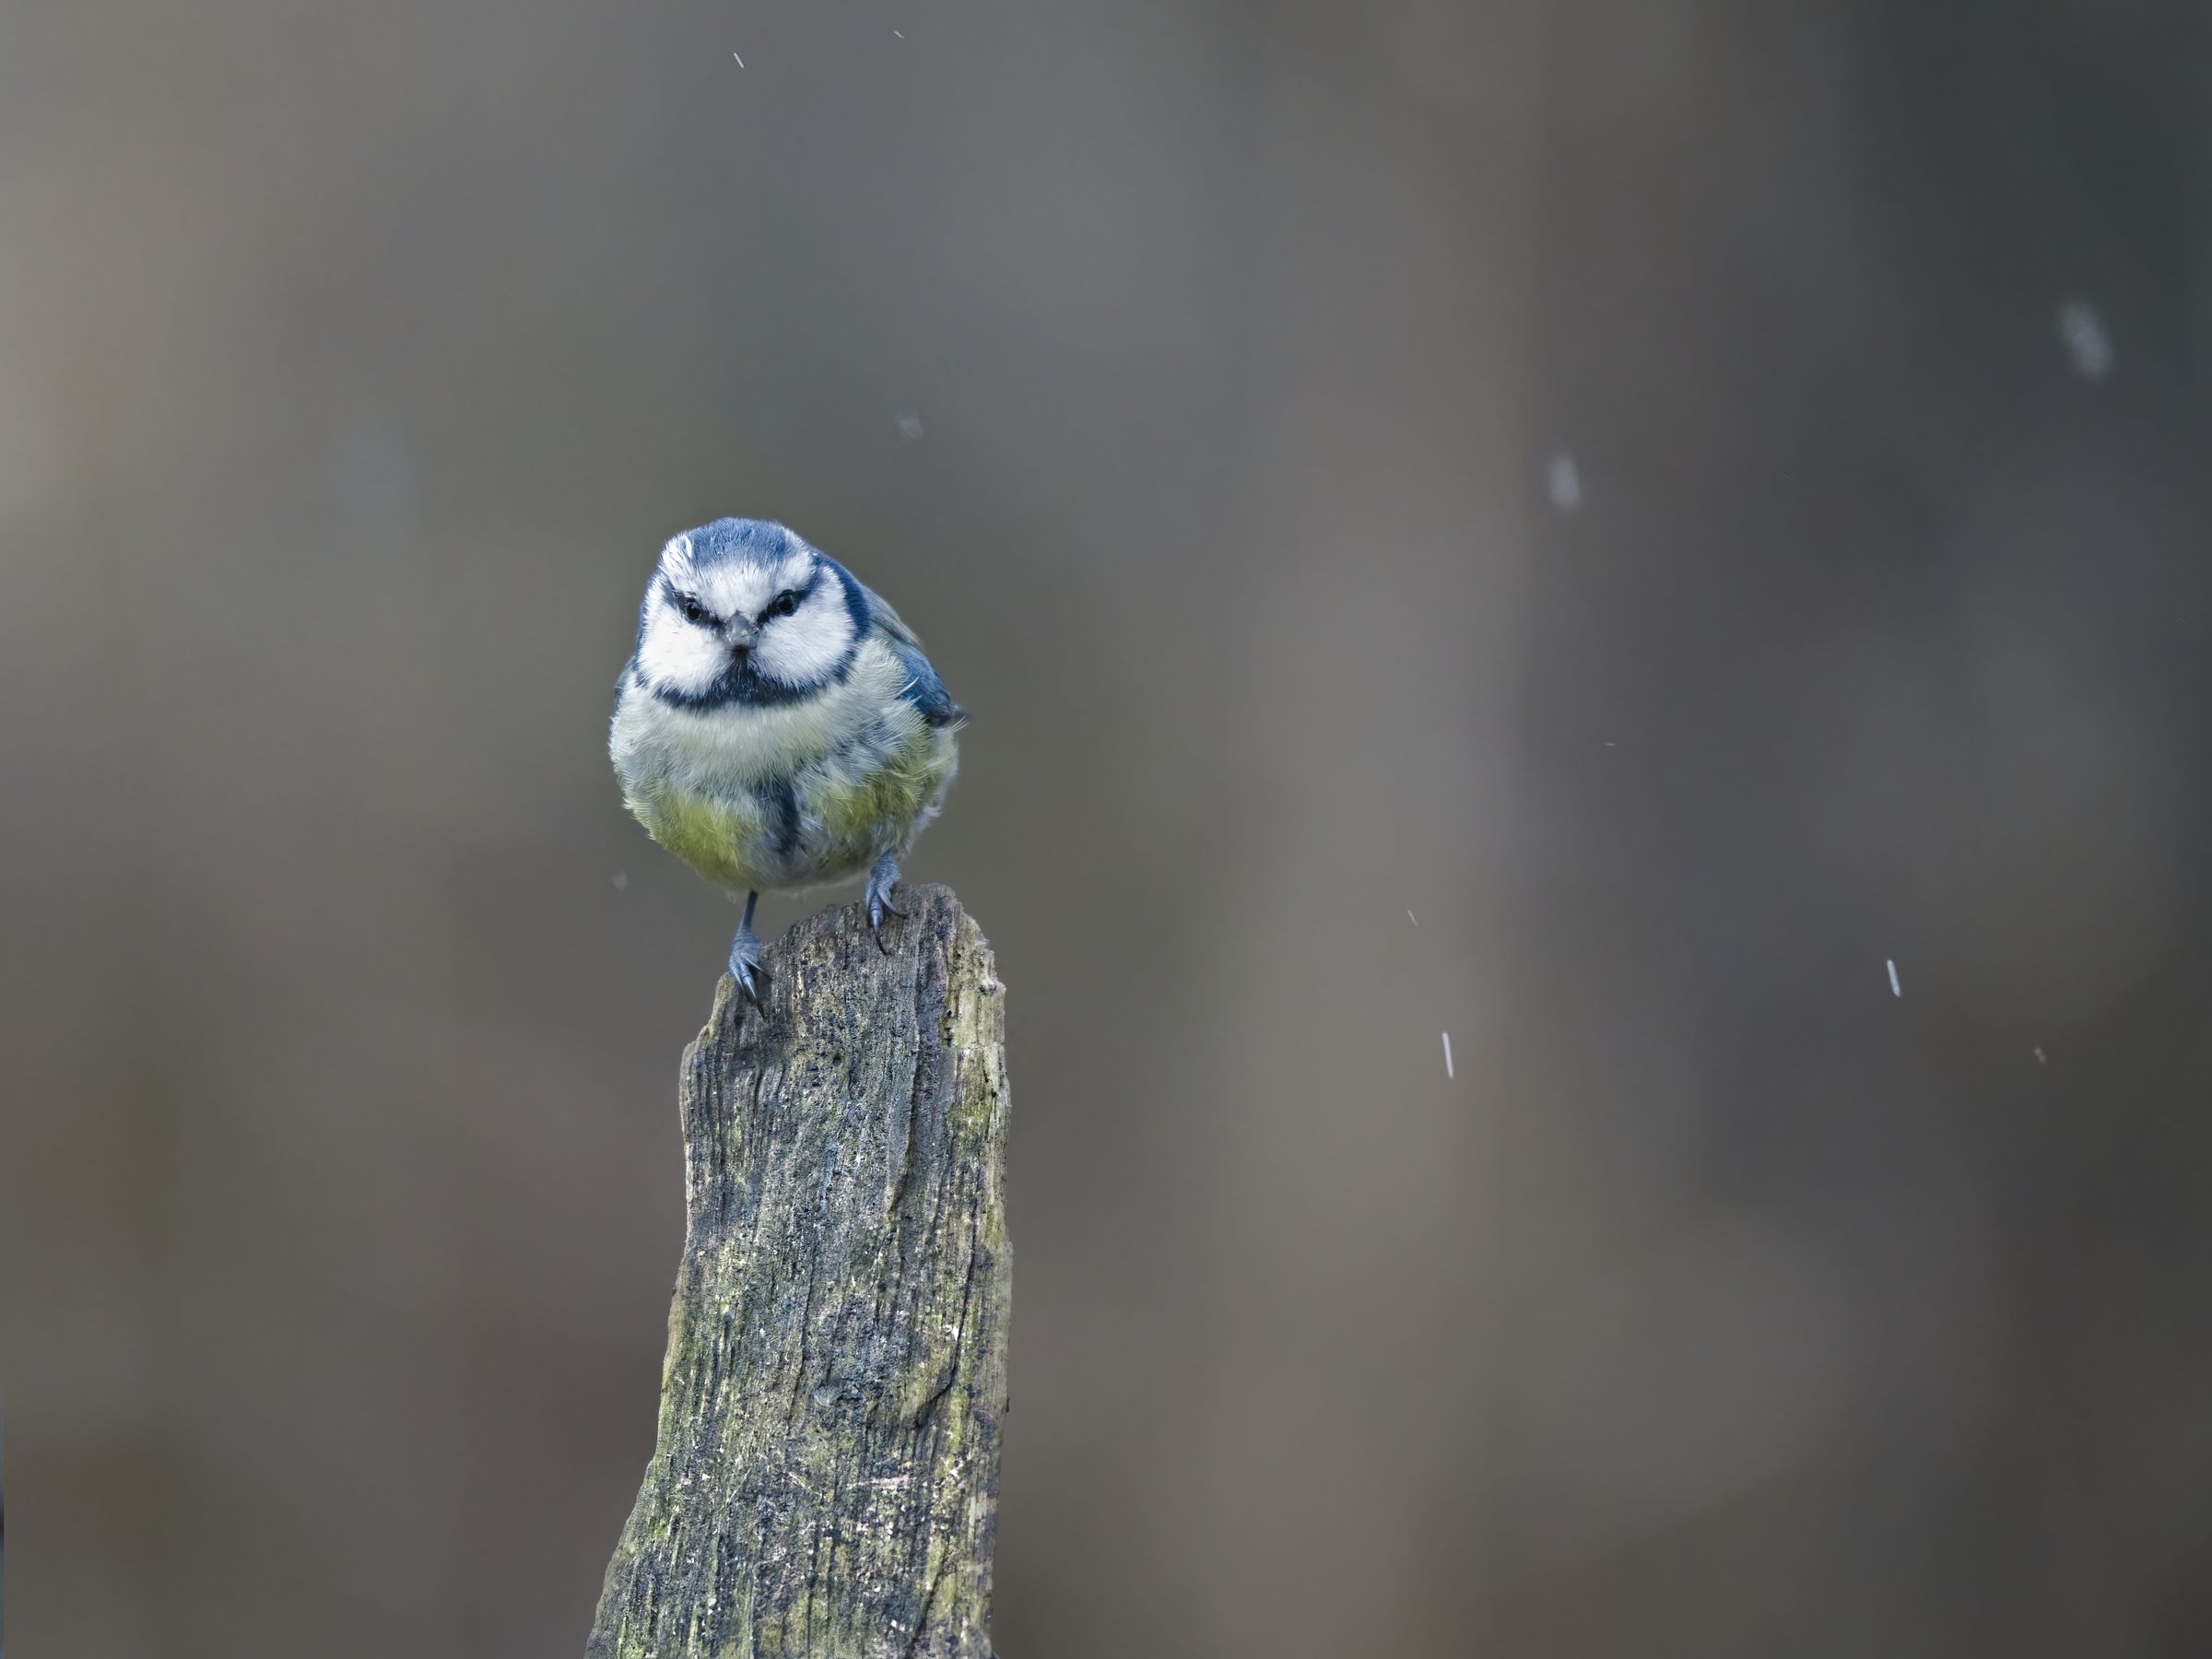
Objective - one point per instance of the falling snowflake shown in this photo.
(1564, 480)
(2082, 330)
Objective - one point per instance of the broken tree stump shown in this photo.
(826, 1477)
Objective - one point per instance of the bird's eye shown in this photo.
(690, 609)
(785, 603)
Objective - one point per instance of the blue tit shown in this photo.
(777, 724)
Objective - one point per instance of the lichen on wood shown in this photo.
(825, 1481)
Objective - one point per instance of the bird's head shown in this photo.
(743, 611)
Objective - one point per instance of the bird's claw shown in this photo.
(880, 881)
(881, 906)
(745, 967)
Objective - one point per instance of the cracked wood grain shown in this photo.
(825, 1481)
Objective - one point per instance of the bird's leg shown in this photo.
(880, 881)
(745, 954)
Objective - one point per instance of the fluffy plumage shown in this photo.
(777, 724)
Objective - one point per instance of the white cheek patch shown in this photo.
(806, 645)
(674, 655)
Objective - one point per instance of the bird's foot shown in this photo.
(745, 957)
(881, 879)
(745, 965)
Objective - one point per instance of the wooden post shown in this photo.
(825, 1478)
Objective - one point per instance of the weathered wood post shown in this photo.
(825, 1482)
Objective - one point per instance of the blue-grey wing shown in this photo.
(926, 690)
(923, 687)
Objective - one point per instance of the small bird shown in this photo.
(777, 724)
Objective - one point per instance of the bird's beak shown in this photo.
(742, 635)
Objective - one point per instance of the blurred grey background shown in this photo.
(1594, 528)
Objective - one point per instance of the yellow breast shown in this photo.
(727, 840)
